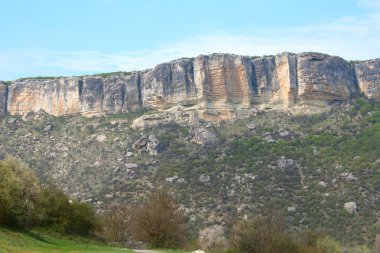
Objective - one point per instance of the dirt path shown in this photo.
(144, 251)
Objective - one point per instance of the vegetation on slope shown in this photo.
(307, 166)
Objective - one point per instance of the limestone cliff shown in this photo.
(275, 79)
(210, 87)
(368, 76)
(3, 98)
(323, 79)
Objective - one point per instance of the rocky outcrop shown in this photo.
(210, 87)
(148, 144)
(56, 97)
(226, 82)
(368, 76)
(3, 98)
(323, 79)
(275, 80)
(169, 84)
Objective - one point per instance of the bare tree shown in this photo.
(159, 220)
(117, 223)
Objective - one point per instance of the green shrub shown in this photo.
(24, 203)
(20, 194)
(328, 245)
(261, 235)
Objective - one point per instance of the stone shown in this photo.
(129, 154)
(350, 207)
(291, 209)
(101, 138)
(131, 166)
(148, 144)
(177, 114)
(204, 178)
(171, 179)
(285, 164)
(48, 128)
(181, 180)
(204, 136)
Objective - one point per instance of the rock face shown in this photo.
(226, 82)
(368, 75)
(323, 79)
(148, 144)
(275, 79)
(3, 98)
(210, 87)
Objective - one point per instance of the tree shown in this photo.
(117, 221)
(9, 191)
(21, 194)
(81, 219)
(159, 221)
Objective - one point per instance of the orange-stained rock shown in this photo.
(275, 80)
(368, 75)
(226, 82)
(56, 97)
(210, 87)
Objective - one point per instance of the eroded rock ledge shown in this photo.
(210, 87)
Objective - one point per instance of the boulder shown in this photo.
(351, 207)
(148, 144)
(101, 138)
(203, 135)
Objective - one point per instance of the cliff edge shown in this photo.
(210, 87)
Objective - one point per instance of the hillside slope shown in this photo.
(306, 167)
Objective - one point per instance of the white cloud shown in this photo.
(355, 37)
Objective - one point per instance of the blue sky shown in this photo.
(73, 37)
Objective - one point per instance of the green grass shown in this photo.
(31, 242)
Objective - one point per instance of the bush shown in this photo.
(81, 219)
(20, 194)
(328, 245)
(212, 239)
(24, 203)
(116, 222)
(261, 235)
(160, 222)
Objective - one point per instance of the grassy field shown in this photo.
(31, 242)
